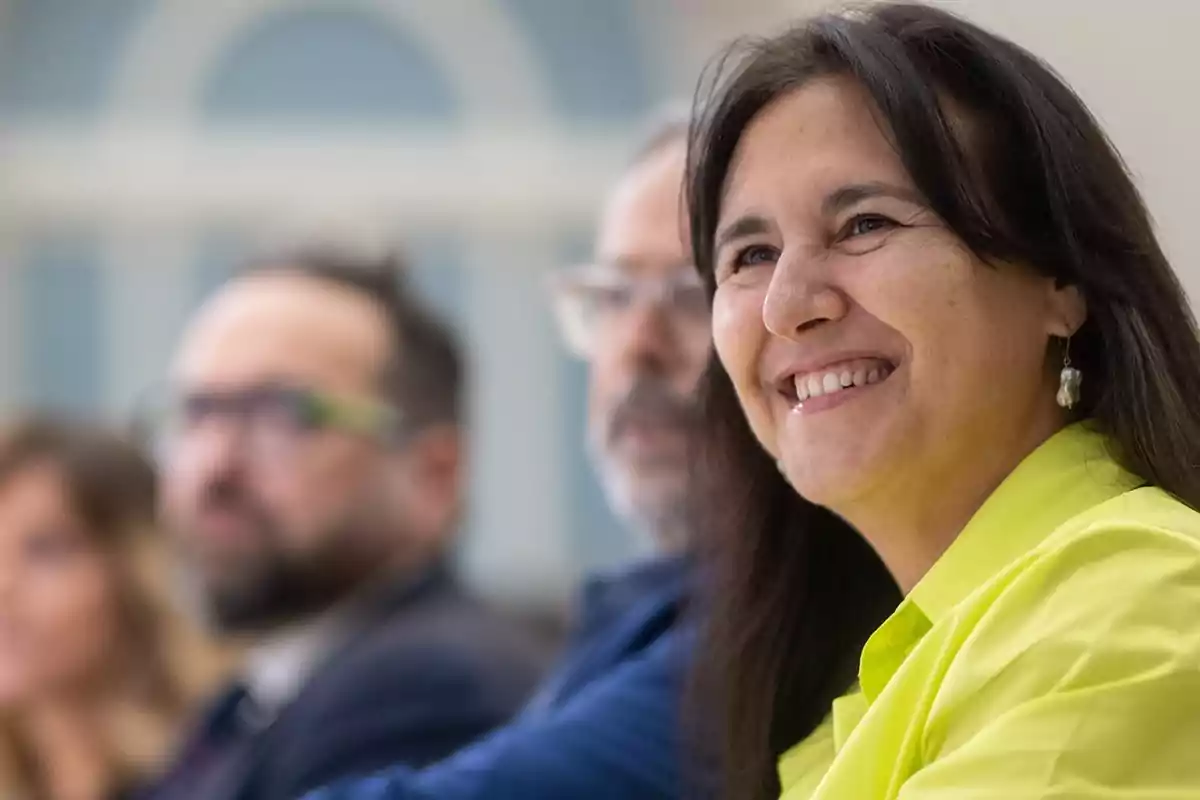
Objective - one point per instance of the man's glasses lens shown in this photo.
(588, 299)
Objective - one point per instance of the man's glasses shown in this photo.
(591, 302)
(272, 420)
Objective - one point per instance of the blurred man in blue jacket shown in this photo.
(607, 723)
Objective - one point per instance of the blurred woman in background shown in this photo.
(97, 671)
(941, 312)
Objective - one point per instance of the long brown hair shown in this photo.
(1030, 179)
(165, 663)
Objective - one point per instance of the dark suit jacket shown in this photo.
(427, 670)
(605, 726)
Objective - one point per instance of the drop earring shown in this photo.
(1069, 380)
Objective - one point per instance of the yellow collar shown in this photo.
(1071, 472)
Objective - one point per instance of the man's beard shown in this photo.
(278, 589)
(269, 586)
(652, 496)
(651, 401)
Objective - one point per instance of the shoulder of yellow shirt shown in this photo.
(1141, 547)
(1112, 595)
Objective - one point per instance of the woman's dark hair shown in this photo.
(1012, 161)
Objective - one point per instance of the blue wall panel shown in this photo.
(58, 57)
(590, 55)
(328, 65)
(61, 287)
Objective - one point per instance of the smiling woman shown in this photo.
(851, 271)
(943, 327)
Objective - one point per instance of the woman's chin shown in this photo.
(829, 495)
(832, 477)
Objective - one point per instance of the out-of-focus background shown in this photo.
(146, 145)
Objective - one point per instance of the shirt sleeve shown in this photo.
(1081, 682)
(619, 737)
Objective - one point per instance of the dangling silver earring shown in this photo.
(1069, 380)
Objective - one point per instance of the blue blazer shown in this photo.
(604, 725)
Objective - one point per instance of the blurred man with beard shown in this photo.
(312, 460)
(640, 317)
(608, 722)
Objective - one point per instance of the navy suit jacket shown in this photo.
(427, 670)
(605, 725)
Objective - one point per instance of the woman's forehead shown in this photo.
(811, 141)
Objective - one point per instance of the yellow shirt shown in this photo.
(1052, 652)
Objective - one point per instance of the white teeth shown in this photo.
(819, 385)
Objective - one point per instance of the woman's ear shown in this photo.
(1068, 310)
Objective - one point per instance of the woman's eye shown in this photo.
(865, 224)
(754, 255)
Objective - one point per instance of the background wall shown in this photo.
(147, 144)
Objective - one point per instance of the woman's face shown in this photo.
(57, 610)
(873, 353)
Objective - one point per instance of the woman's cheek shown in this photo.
(739, 337)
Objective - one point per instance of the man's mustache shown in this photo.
(653, 402)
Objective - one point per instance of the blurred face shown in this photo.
(57, 608)
(647, 359)
(876, 356)
(280, 512)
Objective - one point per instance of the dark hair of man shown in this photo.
(423, 377)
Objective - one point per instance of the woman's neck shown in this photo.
(915, 522)
(66, 744)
